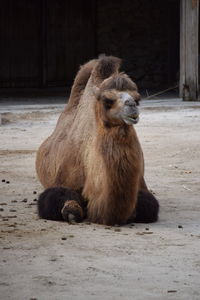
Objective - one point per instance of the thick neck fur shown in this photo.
(119, 149)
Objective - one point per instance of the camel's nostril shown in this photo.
(130, 102)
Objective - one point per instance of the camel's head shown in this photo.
(117, 99)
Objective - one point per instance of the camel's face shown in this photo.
(120, 106)
(130, 112)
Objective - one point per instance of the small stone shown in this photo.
(35, 200)
(34, 192)
(24, 200)
(71, 235)
(13, 201)
(12, 225)
(63, 238)
(107, 227)
(146, 228)
(12, 210)
(3, 180)
(180, 226)
(117, 229)
(53, 259)
(1, 209)
(7, 182)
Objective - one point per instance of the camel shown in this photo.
(94, 152)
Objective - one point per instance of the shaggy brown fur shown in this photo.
(92, 149)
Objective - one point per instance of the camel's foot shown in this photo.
(72, 212)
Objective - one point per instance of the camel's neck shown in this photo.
(120, 151)
(119, 148)
(114, 137)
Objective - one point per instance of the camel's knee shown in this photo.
(147, 208)
(60, 204)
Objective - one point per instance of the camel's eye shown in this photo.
(108, 103)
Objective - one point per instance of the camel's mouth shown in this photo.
(132, 119)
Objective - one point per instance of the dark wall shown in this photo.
(145, 34)
(43, 42)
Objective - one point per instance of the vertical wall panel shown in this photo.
(20, 43)
(70, 38)
(189, 50)
(5, 38)
(26, 47)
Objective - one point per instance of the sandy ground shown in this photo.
(52, 260)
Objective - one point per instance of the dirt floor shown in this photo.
(51, 260)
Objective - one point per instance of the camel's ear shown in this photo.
(137, 99)
(96, 92)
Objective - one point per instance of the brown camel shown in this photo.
(94, 150)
